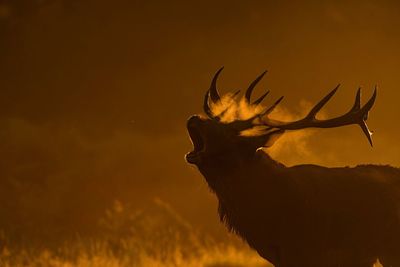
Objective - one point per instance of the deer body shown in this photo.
(300, 216)
(312, 216)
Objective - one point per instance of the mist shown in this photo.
(95, 95)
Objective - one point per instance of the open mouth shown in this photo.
(197, 141)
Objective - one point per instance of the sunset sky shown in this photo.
(95, 94)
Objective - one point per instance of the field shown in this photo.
(136, 238)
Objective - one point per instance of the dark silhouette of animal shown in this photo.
(300, 216)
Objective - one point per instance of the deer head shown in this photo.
(216, 139)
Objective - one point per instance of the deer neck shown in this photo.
(227, 174)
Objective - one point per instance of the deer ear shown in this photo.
(273, 137)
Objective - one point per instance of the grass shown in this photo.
(100, 255)
(155, 238)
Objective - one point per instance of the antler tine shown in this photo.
(367, 107)
(261, 98)
(267, 111)
(322, 103)
(206, 106)
(208, 110)
(367, 132)
(356, 115)
(213, 87)
(235, 94)
(270, 109)
(364, 112)
(251, 87)
(357, 102)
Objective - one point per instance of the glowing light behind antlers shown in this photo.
(291, 146)
(232, 109)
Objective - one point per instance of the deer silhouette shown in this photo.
(300, 216)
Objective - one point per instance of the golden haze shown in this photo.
(95, 94)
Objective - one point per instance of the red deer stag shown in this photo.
(300, 216)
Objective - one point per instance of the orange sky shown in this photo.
(95, 94)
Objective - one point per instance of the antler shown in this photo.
(213, 91)
(213, 94)
(215, 97)
(250, 89)
(356, 115)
